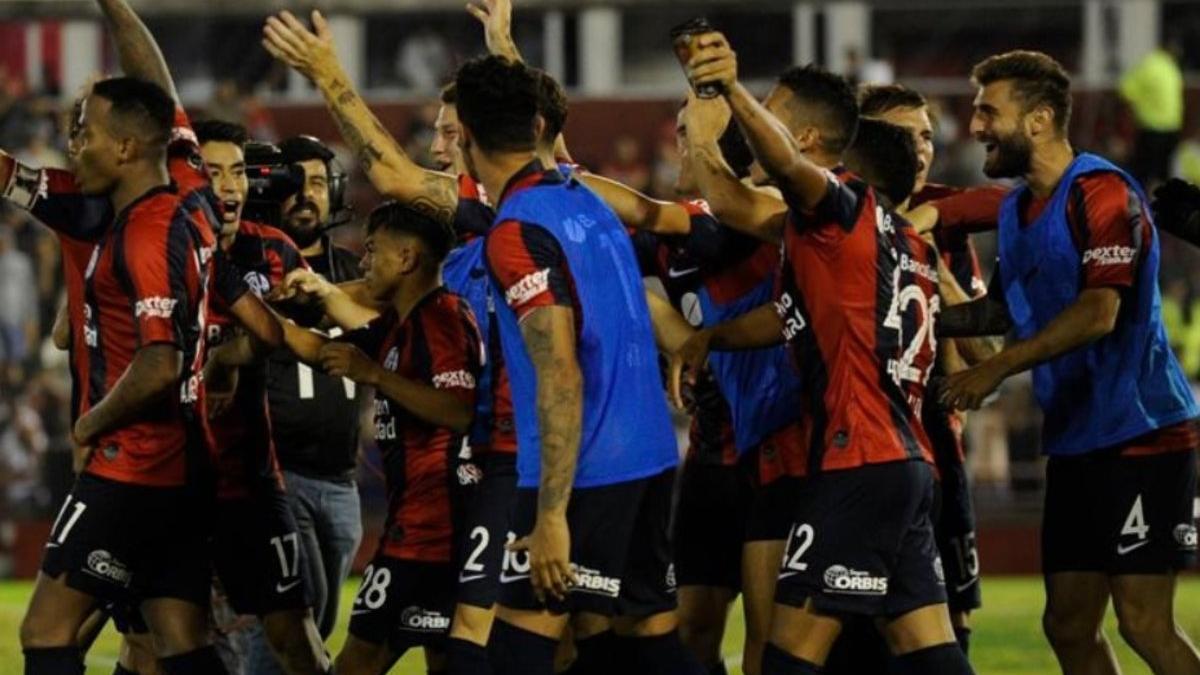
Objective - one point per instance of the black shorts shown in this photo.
(1120, 515)
(258, 555)
(954, 531)
(862, 543)
(404, 603)
(123, 543)
(488, 516)
(710, 524)
(620, 550)
(773, 508)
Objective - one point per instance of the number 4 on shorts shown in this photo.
(1135, 522)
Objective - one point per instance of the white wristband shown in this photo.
(26, 186)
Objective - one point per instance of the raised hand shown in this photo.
(705, 118)
(309, 52)
(496, 17)
(714, 62)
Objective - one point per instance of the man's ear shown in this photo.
(808, 138)
(1039, 121)
(128, 150)
(539, 126)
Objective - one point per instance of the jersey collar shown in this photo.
(530, 175)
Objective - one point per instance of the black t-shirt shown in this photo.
(315, 417)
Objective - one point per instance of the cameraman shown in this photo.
(315, 417)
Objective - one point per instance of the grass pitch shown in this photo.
(1007, 638)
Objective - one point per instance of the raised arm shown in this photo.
(637, 210)
(803, 183)
(496, 17)
(733, 202)
(389, 169)
(136, 48)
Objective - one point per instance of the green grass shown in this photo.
(1007, 639)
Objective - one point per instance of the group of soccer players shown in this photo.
(537, 516)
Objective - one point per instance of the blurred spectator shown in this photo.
(226, 104)
(1154, 91)
(627, 164)
(18, 303)
(231, 104)
(23, 442)
(665, 169)
(39, 149)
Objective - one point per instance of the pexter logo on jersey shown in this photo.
(847, 581)
(1109, 255)
(528, 287)
(157, 307)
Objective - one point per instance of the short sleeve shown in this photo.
(529, 266)
(455, 350)
(1110, 227)
(52, 196)
(228, 283)
(838, 208)
(158, 282)
(369, 338)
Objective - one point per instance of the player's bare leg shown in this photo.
(803, 632)
(1075, 606)
(51, 625)
(137, 654)
(293, 636)
(760, 569)
(359, 657)
(1144, 604)
(703, 611)
(91, 629)
(473, 624)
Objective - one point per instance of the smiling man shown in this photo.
(1078, 270)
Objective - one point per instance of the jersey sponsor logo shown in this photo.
(907, 264)
(847, 581)
(1104, 256)
(455, 379)
(939, 572)
(189, 391)
(469, 474)
(1185, 536)
(391, 363)
(424, 620)
(588, 580)
(101, 563)
(155, 306)
(529, 287)
(793, 319)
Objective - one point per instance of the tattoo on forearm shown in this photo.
(559, 413)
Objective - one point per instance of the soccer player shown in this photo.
(1078, 271)
(596, 455)
(142, 425)
(423, 356)
(857, 301)
(259, 557)
(820, 108)
(960, 280)
(745, 450)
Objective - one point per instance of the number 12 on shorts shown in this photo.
(799, 540)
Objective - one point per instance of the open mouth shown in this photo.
(230, 210)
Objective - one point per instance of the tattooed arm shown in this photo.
(389, 169)
(549, 334)
(138, 52)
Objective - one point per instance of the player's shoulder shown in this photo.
(1101, 181)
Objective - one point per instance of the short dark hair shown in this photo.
(140, 107)
(220, 131)
(885, 156)
(498, 102)
(393, 216)
(305, 148)
(831, 97)
(1037, 80)
(877, 99)
(552, 105)
(449, 94)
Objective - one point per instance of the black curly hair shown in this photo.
(498, 101)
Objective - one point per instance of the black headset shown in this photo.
(305, 147)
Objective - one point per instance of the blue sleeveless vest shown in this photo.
(761, 385)
(465, 272)
(1117, 388)
(627, 432)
